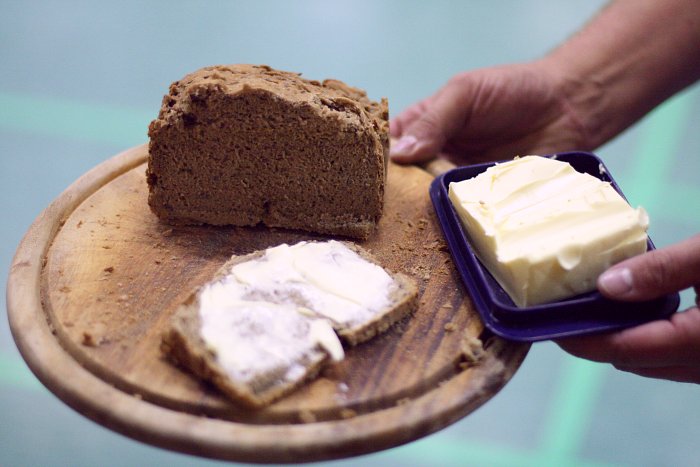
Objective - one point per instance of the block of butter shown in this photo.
(545, 231)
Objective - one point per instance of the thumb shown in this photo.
(425, 136)
(655, 273)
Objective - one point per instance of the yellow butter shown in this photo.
(545, 231)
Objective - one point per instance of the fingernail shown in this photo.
(404, 146)
(616, 282)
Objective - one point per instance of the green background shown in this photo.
(80, 81)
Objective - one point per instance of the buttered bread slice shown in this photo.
(268, 321)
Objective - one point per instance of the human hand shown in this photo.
(667, 349)
(491, 114)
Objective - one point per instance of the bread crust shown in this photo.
(404, 300)
(183, 345)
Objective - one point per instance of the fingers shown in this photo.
(399, 123)
(654, 274)
(425, 127)
(655, 345)
(681, 374)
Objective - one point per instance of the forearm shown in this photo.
(627, 60)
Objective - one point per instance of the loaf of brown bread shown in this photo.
(257, 336)
(244, 144)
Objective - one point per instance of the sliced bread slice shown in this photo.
(264, 324)
(403, 300)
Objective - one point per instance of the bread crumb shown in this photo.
(348, 413)
(472, 349)
(88, 340)
(64, 289)
(434, 245)
(109, 269)
(403, 401)
(79, 224)
(167, 233)
(307, 416)
(449, 327)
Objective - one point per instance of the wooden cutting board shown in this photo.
(97, 276)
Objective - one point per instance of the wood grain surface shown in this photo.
(97, 276)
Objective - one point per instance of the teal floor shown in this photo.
(79, 82)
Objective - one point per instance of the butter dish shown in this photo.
(583, 314)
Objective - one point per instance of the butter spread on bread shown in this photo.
(268, 320)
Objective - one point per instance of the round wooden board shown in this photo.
(97, 276)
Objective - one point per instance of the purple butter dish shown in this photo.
(583, 314)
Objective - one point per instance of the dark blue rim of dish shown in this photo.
(583, 314)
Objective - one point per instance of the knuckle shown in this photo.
(660, 271)
(460, 78)
(428, 126)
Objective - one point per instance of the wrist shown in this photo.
(630, 58)
(583, 100)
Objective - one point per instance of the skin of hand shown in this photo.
(668, 349)
(578, 97)
(489, 114)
